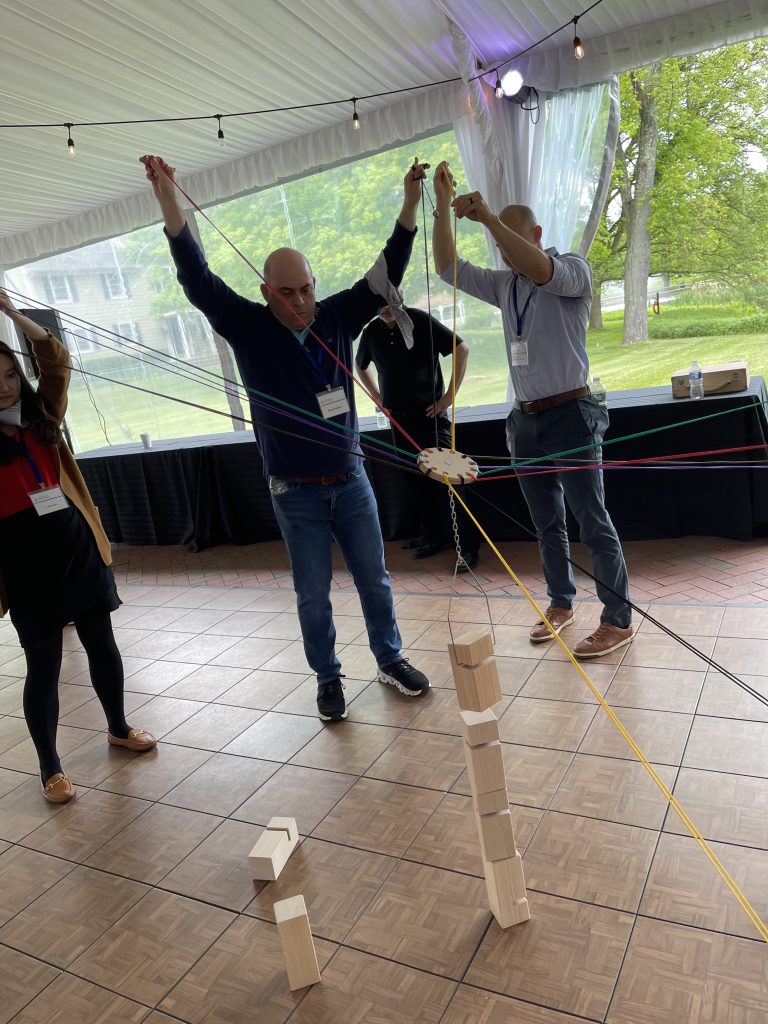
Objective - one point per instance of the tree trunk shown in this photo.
(638, 259)
(596, 309)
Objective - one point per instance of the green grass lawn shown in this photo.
(127, 413)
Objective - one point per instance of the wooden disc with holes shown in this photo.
(442, 462)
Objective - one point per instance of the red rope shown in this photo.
(317, 338)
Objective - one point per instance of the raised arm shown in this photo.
(51, 356)
(442, 235)
(519, 254)
(160, 174)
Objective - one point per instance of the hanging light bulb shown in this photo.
(498, 89)
(70, 140)
(511, 82)
(578, 47)
(355, 115)
(220, 132)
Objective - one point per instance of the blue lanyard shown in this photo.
(22, 444)
(520, 317)
(316, 360)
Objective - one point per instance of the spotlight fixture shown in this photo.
(512, 82)
(70, 140)
(578, 47)
(355, 115)
(220, 132)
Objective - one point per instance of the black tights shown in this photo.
(41, 688)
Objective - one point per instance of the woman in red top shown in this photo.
(53, 553)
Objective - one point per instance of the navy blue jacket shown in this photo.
(273, 361)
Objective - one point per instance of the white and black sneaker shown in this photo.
(405, 677)
(331, 706)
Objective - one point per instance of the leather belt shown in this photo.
(333, 478)
(542, 404)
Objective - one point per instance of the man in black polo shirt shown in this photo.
(410, 388)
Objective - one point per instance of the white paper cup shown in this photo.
(146, 440)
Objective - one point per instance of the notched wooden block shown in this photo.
(477, 688)
(270, 854)
(485, 767)
(505, 883)
(497, 835)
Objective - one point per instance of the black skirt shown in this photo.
(52, 572)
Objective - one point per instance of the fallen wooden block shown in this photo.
(479, 727)
(505, 883)
(485, 767)
(273, 848)
(296, 940)
(497, 836)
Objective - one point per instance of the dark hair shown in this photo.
(33, 413)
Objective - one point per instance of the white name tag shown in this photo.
(332, 402)
(518, 353)
(48, 499)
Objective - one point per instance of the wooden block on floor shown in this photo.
(270, 854)
(507, 898)
(473, 650)
(485, 767)
(479, 727)
(496, 800)
(285, 825)
(497, 835)
(296, 939)
(477, 688)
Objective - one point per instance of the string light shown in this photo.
(70, 140)
(578, 47)
(355, 115)
(220, 132)
(498, 88)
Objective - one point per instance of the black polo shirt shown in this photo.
(410, 380)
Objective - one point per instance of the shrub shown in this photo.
(702, 327)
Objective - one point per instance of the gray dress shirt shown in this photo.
(554, 323)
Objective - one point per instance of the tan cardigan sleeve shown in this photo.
(53, 361)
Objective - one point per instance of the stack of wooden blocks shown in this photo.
(476, 677)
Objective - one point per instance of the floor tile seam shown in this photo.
(21, 1009)
(528, 1002)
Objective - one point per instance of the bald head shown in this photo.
(290, 287)
(521, 220)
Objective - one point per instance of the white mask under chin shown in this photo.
(11, 415)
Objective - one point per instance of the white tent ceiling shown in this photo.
(93, 60)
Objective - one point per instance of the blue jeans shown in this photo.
(310, 516)
(535, 435)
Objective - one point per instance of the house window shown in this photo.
(82, 340)
(177, 335)
(59, 288)
(114, 285)
(128, 329)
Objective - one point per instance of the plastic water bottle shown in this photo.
(381, 420)
(696, 377)
(598, 391)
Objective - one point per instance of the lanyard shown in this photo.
(520, 317)
(316, 361)
(22, 444)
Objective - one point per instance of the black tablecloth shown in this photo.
(203, 491)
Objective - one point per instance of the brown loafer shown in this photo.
(559, 618)
(605, 639)
(137, 739)
(58, 789)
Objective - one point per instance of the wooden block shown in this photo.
(496, 800)
(270, 854)
(477, 688)
(507, 898)
(497, 835)
(472, 650)
(296, 939)
(485, 767)
(285, 825)
(479, 727)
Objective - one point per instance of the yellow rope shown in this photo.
(710, 854)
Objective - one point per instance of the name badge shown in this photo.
(518, 353)
(48, 499)
(332, 402)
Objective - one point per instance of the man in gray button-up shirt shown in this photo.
(544, 300)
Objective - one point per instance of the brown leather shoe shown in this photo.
(605, 639)
(137, 739)
(559, 619)
(58, 789)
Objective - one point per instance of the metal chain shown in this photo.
(455, 527)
